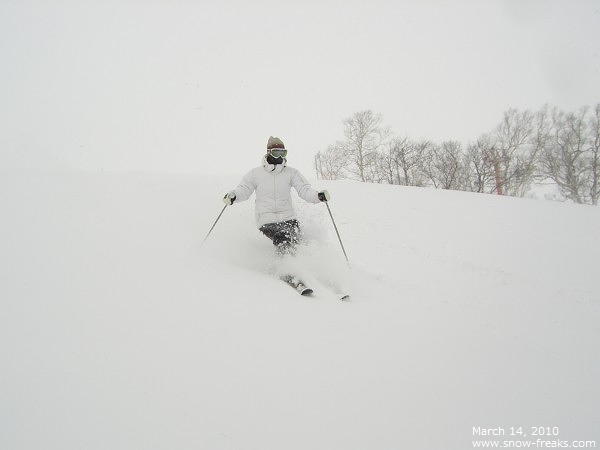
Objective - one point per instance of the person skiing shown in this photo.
(272, 182)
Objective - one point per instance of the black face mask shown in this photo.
(274, 161)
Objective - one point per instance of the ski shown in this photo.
(302, 289)
(297, 284)
(337, 291)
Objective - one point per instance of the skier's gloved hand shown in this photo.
(324, 196)
(229, 198)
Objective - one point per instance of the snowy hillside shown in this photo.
(118, 330)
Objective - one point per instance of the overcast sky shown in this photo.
(199, 86)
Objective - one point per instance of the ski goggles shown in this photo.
(278, 152)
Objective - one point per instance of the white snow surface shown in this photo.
(119, 330)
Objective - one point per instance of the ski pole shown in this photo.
(337, 232)
(213, 226)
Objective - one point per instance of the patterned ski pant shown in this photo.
(285, 235)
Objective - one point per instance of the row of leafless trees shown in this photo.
(525, 148)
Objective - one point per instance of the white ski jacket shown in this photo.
(273, 184)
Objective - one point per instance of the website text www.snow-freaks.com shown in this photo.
(539, 437)
(539, 443)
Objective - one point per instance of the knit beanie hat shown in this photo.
(275, 142)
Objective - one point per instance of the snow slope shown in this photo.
(118, 330)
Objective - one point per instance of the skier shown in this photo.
(275, 216)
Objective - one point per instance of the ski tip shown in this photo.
(306, 291)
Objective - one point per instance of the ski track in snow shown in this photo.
(119, 330)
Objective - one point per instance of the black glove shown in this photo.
(229, 198)
(324, 196)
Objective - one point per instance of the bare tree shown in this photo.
(512, 155)
(387, 165)
(364, 134)
(331, 163)
(508, 153)
(594, 158)
(445, 165)
(481, 162)
(319, 166)
(378, 170)
(406, 161)
(417, 164)
(564, 159)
